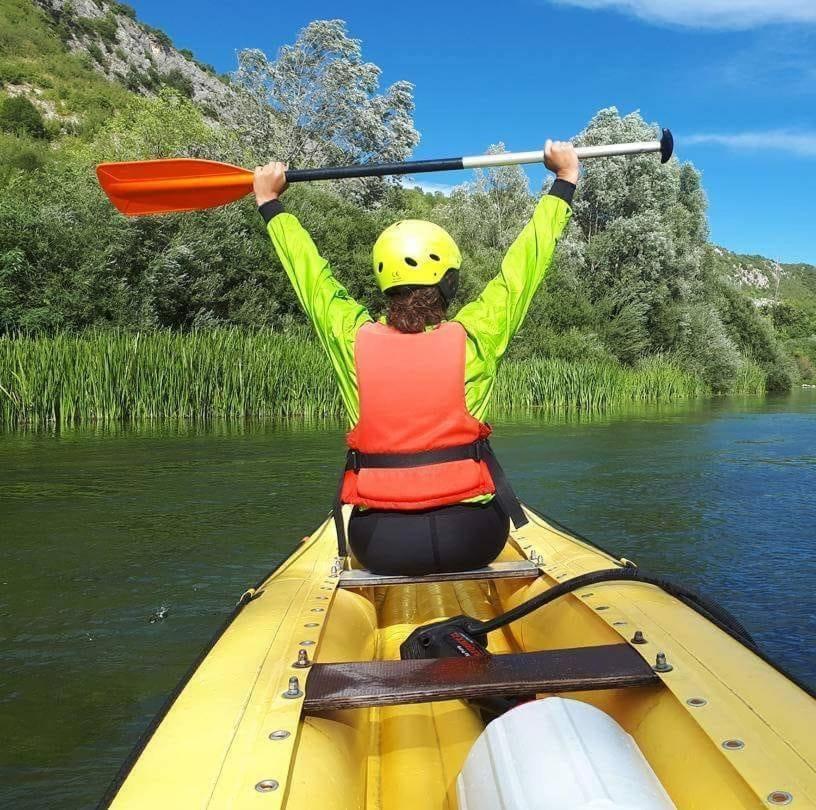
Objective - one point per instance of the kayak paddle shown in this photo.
(189, 184)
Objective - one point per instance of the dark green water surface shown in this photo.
(100, 528)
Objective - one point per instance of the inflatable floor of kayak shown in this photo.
(302, 701)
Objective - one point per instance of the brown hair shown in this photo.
(411, 309)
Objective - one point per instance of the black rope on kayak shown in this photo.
(707, 608)
(807, 688)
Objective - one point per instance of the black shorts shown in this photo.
(451, 538)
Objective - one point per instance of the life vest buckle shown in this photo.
(353, 461)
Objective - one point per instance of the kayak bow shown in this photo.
(303, 697)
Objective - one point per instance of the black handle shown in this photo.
(373, 170)
(666, 146)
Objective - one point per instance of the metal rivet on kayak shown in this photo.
(266, 785)
(280, 734)
(638, 638)
(294, 689)
(322, 597)
(619, 624)
(733, 745)
(661, 664)
(318, 610)
(602, 607)
(306, 643)
(697, 702)
(780, 797)
(312, 624)
(302, 660)
(587, 595)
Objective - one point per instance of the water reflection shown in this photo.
(102, 526)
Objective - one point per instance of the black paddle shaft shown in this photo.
(374, 170)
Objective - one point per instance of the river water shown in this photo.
(103, 529)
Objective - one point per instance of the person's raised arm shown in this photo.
(335, 315)
(496, 315)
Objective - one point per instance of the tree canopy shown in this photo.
(634, 276)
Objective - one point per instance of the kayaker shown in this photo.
(427, 492)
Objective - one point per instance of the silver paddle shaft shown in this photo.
(583, 152)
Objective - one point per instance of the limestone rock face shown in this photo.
(125, 50)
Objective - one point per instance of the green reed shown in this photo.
(750, 380)
(101, 376)
(591, 385)
(116, 376)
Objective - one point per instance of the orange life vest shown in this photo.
(412, 402)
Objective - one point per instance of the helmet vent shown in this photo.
(410, 261)
(380, 268)
(434, 256)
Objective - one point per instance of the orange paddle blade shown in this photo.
(176, 184)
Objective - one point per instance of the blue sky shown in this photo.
(734, 79)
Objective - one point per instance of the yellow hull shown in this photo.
(230, 739)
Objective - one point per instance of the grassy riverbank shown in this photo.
(107, 376)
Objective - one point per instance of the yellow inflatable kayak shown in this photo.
(618, 695)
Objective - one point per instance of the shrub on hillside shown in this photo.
(96, 52)
(21, 153)
(103, 27)
(124, 8)
(20, 117)
(178, 81)
(158, 34)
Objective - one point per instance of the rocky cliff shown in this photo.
(139, 56)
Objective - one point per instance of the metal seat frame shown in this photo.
(362, 578)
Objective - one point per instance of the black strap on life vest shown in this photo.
(479, 450)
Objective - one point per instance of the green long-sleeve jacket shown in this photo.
(490, 321)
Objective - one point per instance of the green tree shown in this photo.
(492, 209)
(318, 103)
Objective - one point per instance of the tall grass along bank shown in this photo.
(69, 379)
(109, 376)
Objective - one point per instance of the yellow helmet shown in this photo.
(416, 253)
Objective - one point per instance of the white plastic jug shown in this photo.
(558, 754)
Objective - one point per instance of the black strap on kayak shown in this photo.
(479, 450)
(337, 515)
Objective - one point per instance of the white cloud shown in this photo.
(782, 62)
(797, 143)
(734, 14)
